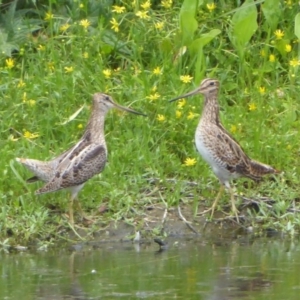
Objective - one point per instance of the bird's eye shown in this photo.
(211, 83)
(106, 98)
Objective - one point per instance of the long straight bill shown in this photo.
(186, 95)
(129, 110)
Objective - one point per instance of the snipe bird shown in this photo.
(74, 167)
(218, 148)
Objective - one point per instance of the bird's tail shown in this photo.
(41, 169)
(258, 169)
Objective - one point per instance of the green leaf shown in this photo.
(244, 24)
(297, 26)
(188, 23)
(272, 11)
(203, 40)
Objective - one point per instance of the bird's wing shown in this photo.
(228, 150)
(77, 167)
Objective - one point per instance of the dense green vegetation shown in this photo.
(55, 56)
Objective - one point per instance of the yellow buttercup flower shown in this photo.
(160, 118)
(114, 25)
(118, 9)
(178, 114)
(211, 6)
(85, 23)
(166, 3)
(252, 106)
(10, 63)
(107, 73)
(28, 135)
(48, 16)
(146, 5)
(142, 14)
(272, 58)
(279, 34)
(159, 25)
(21, 84)
(186, 78)
(154, 96)
(288, 48)
(181, 103)
(41, 48)
(189, 162)
(294, 62)
(262, 90)
(69, 69)
(233, 128)
(64, 27)
(157, 71)
(191, 115)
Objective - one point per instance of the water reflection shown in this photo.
(197, 269)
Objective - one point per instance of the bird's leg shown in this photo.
(71, 215)
(212, 209)
(81, 212)
(233, 207)
(221, 190)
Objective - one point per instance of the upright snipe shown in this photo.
(218, 148)
(75, 166)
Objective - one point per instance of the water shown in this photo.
(196, 269)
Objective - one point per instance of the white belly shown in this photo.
(208, 154)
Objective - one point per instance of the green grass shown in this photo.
(60, 70)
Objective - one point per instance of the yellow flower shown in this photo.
(160, 118)
(81, 5)
(191, 115)
(146, 5)
(118, 9)
(31, 102)
(10, 63)
(181, 103)
(262, 53)
(85, 23)
(51, 66)
(49, 16)
(107, 73)
(288, 48)
(85, 55)
(69, 69)
(24, 97)
(166, 3)
(21, 84)
(279, 34)
(186, 78)
(64, 27)
(233, 128)
(178, 114)
(28, 135)
(159, 25)
(252, 106)
(189, 162)
(211, 6)
(80, 126)
(262, 90)
(142, 14)
(41, 48)
(294, 62)
(154, 96)
(272, 58)
(114, 25)
(157, 71)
